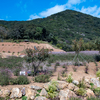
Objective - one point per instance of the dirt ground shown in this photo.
(17, 49)
(79, 74)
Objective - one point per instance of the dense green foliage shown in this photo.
(5, 76)
(20, 80)
(42, 78)
(59, 29)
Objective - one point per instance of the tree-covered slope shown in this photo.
(71, 24)
(59, 29)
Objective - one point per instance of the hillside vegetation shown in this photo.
(59, 29)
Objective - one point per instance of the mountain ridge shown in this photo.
(59, 28)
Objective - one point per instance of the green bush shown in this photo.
(5, 76)
(64, 66)
(81, 92)
(69, 79)
(16, 72)
(92, 86)
(42, 78)
(24, 98)
(98, 73)
(20, 80)
(97, 91)
(52, 90)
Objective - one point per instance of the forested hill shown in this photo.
(60, 28)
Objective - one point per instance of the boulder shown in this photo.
(65, 94)
(71, 86)
(90, 93)
(1, 92)
(88, 85)
(95, 82)
(40, 98)
(62, 84)
(23, 91)
(63, 98)
(6, 93)
(87, 81)
(30, 93)
(46, 85)
(76, 88)
(75, 82)
(35, 87)
(31, 97)
(71, 94)
(15, 93)
(43, 92)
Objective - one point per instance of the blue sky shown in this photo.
(22, 10)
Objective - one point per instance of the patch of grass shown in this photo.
(11, 62)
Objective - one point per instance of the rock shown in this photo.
(63, 93)
(30, 92)
(46, 85)
(62, 84)
(35, 87)
(95, 82)
(16, 93)
(32, 98)
(87, 81)
(75, 82)
(43, 92)
(71, 86)
(1, 92)
(98, 78)
(6, 93)
(87, 85)
(63, 98)
(76, 88)
(40, 98)
(23, 91)
(90, 93)
(71, 94)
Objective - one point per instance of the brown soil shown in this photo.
(8, 48)
(79, 74)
